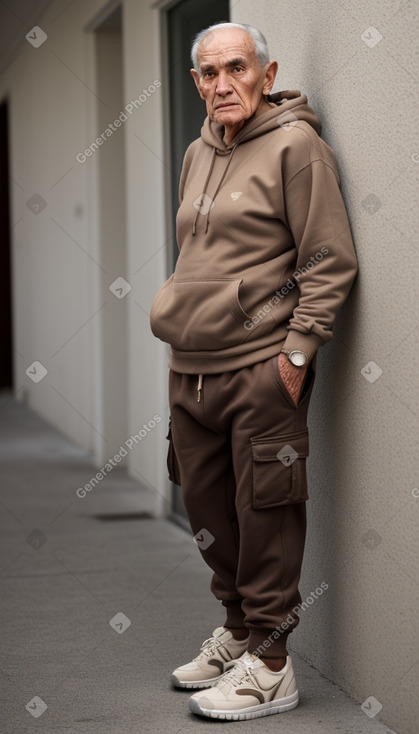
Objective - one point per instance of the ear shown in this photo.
(195, 77)
(270, 74)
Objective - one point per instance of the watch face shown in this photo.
(298, 358)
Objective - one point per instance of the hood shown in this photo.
(288, 106)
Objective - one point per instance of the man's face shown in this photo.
(231, 80)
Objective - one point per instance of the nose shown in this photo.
(223, 84)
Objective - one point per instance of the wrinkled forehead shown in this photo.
(221, 47)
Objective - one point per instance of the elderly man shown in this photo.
(266, 260)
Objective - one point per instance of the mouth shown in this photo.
(226, 106)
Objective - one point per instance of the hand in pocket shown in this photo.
(292, 377)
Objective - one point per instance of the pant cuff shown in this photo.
(235, 614)
(267, 643)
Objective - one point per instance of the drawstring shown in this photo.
(200, 381)
(211, 168)
(221, 182)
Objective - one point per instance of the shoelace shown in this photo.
(240, 672)
(209, 646)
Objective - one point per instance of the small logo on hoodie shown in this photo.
(236, 195)
(287, 120)
(203, 203)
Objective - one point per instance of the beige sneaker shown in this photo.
(218, 655)
(248, 691)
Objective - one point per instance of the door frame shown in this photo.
(96, 362)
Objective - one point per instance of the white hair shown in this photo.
(261, 46)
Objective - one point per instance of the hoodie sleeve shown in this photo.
(326, 261)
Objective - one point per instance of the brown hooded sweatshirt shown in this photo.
(266, 254)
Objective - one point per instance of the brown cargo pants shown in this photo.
(238, 448)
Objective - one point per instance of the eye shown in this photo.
(238, 68)
(208, 74)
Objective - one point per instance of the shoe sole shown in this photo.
(252, 712)
(192, 684)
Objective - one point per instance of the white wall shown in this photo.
(363, 538)
(62, 258)
(112, 237)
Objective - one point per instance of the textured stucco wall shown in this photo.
(363, 538)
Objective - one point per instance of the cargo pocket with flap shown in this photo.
(172, 462)
(279, 469)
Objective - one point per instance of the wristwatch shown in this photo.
(296, 357)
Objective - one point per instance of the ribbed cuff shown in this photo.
(271, 643)
(235, 614)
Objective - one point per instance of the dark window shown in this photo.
(187, 110)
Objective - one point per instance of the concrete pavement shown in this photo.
(100, 603)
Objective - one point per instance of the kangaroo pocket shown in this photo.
(279, 469)
(195, 315)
